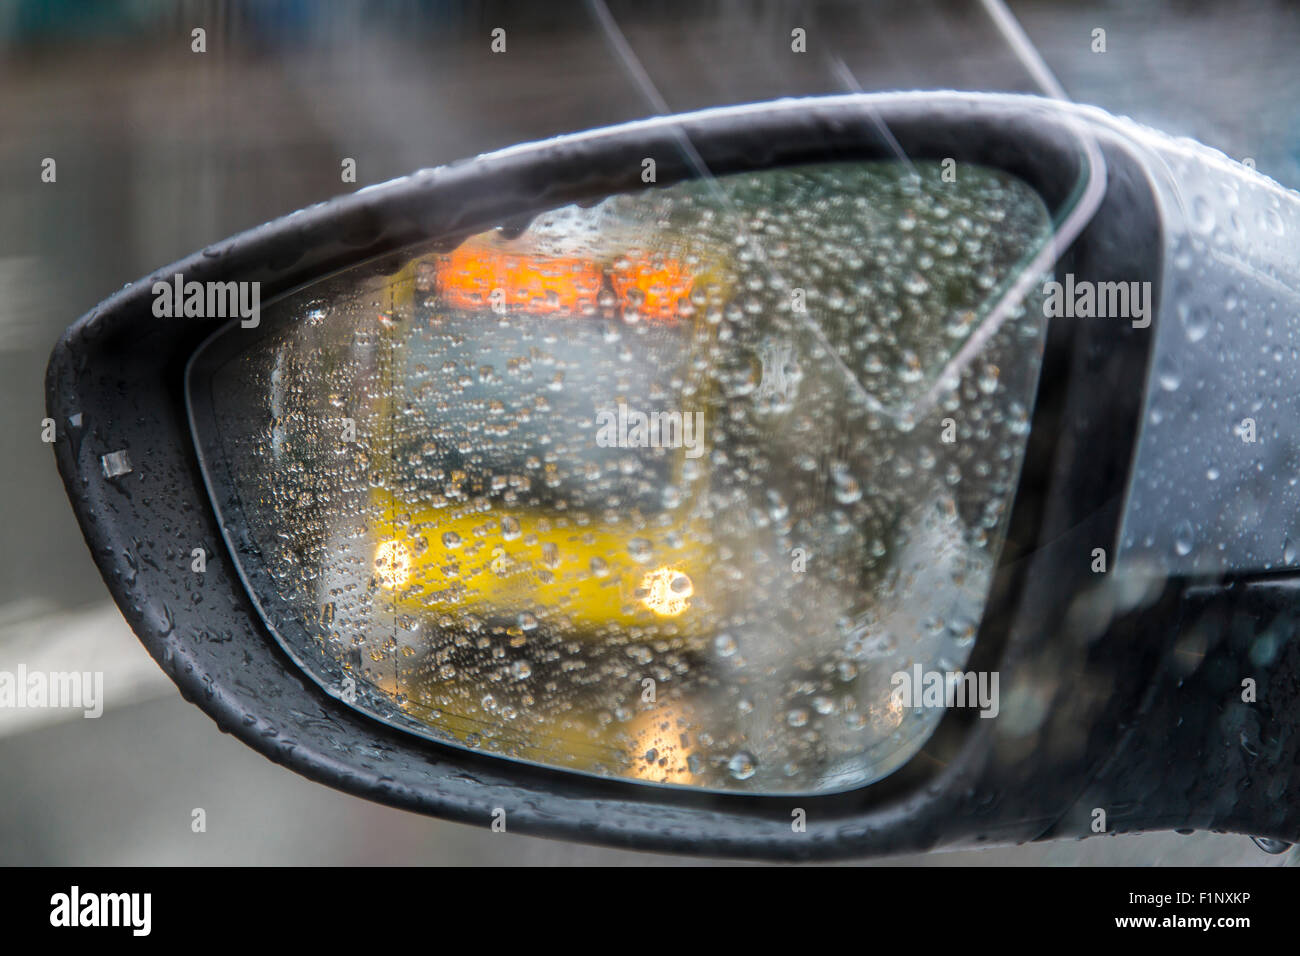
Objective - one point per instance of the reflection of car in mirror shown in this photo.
(506, 559)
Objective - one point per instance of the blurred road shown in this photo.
(161, 151)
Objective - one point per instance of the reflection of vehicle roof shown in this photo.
(536, 391)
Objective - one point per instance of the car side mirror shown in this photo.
(646, 483)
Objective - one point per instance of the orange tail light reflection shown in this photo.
(469, 277)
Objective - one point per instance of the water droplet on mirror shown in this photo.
(640, 550)
(1195, 319)
(1269, 845)
(1168, 376)
(847, 489)
(743, 765)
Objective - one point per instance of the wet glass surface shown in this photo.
(649, 490)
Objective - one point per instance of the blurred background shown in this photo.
(161, 150)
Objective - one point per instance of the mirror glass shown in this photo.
(671, 487)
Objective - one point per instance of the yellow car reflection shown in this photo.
(595, 577)
(525, 562)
